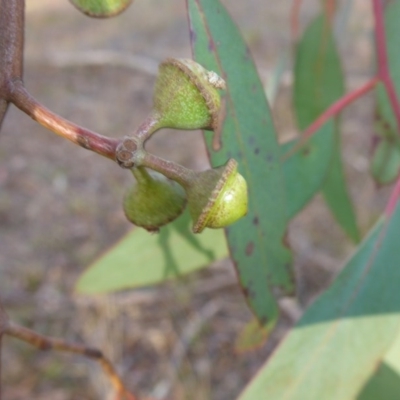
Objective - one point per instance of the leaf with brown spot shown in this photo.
(247, 116)
(249, 248)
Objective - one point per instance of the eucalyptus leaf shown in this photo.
(335, 347)
(256, 242)
(385, 164)
(142, 258)
(319, 82)
(385, 383)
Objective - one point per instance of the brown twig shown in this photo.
(102, 145)
(11, 47)
(47, 343)
(11, 39)
(12, 89)
(11, 64)
(3, 327)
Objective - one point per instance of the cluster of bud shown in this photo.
(186, 96)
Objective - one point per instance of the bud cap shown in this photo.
(186, 95)
(217, 197)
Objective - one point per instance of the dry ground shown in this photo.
(60, 206)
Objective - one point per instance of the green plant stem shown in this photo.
(141, 174)
(147, 128)
(90, 140)
(168, 168)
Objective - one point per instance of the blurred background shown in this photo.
(60, 205)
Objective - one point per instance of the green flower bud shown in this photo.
(153, 200)
(186, 95)
(217, 197)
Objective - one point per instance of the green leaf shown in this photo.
(256, 242)
(318, 80)
(142, 258)
(318, 83)
(101, 8)
(337, 196)
(385, 163)
(337, 344)
(306, 170)
(385, 114)
(385, 383)
(385, 166)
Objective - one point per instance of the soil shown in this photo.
(60, 206)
